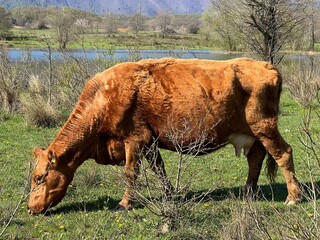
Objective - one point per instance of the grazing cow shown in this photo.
(123, 109)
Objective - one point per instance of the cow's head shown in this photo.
(49, 183)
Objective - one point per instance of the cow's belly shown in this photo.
(241, 142)
(204, 134)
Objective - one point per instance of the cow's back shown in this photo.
(203, 98)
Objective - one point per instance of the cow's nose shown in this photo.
(33, 211)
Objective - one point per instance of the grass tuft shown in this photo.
(36, 108)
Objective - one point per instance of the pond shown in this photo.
(43, 55)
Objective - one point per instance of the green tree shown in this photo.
(5, 23)
(29, 16)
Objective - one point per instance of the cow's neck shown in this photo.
(75, 141)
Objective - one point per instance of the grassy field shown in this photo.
(35, 38)
(88, 211)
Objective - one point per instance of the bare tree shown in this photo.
(312, 20)
(303, 81)
(137, 22)
(63, 23)
(216, 28)
(110, 22)
(163, 20)
(264, 25)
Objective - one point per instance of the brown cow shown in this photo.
(234, 101)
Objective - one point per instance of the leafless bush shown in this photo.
(61, 80)
(303, 81)
(66, 77)
(176, 206)
(309, 141)
(249, 220)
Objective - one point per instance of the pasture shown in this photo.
(35, 38)
(88, 211)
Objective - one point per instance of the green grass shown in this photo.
(88, 209)
(34, 38)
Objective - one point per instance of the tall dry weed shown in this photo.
(36, 107)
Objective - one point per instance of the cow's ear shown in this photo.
(37, 151)
(52, 157)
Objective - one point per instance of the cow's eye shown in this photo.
(38, 179)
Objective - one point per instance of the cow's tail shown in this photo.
(271, 168)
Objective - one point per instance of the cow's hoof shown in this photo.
(124, 208)
(291, 201)
(125, 205)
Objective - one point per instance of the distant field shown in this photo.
(88, 210)
(34, 38)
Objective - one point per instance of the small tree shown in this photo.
(137, 22)
(163, 20)
(62, 21)
(111, 23)
(5, 23)
(30, 16)
(312, 20)
(216, 28)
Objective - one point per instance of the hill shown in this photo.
(147, 7)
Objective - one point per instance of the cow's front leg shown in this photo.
(131, 172)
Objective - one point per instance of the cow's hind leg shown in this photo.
(157, 165)
(267, 132)
(255, 159)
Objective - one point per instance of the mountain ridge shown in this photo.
(145, 7)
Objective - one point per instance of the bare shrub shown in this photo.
(309, 141)
(176, 206)
(303, 80)
(245, 217)
(249, 220)
(61, 80)
(71, 74)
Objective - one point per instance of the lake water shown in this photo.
(42, 55)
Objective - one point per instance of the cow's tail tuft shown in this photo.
(271, 168)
